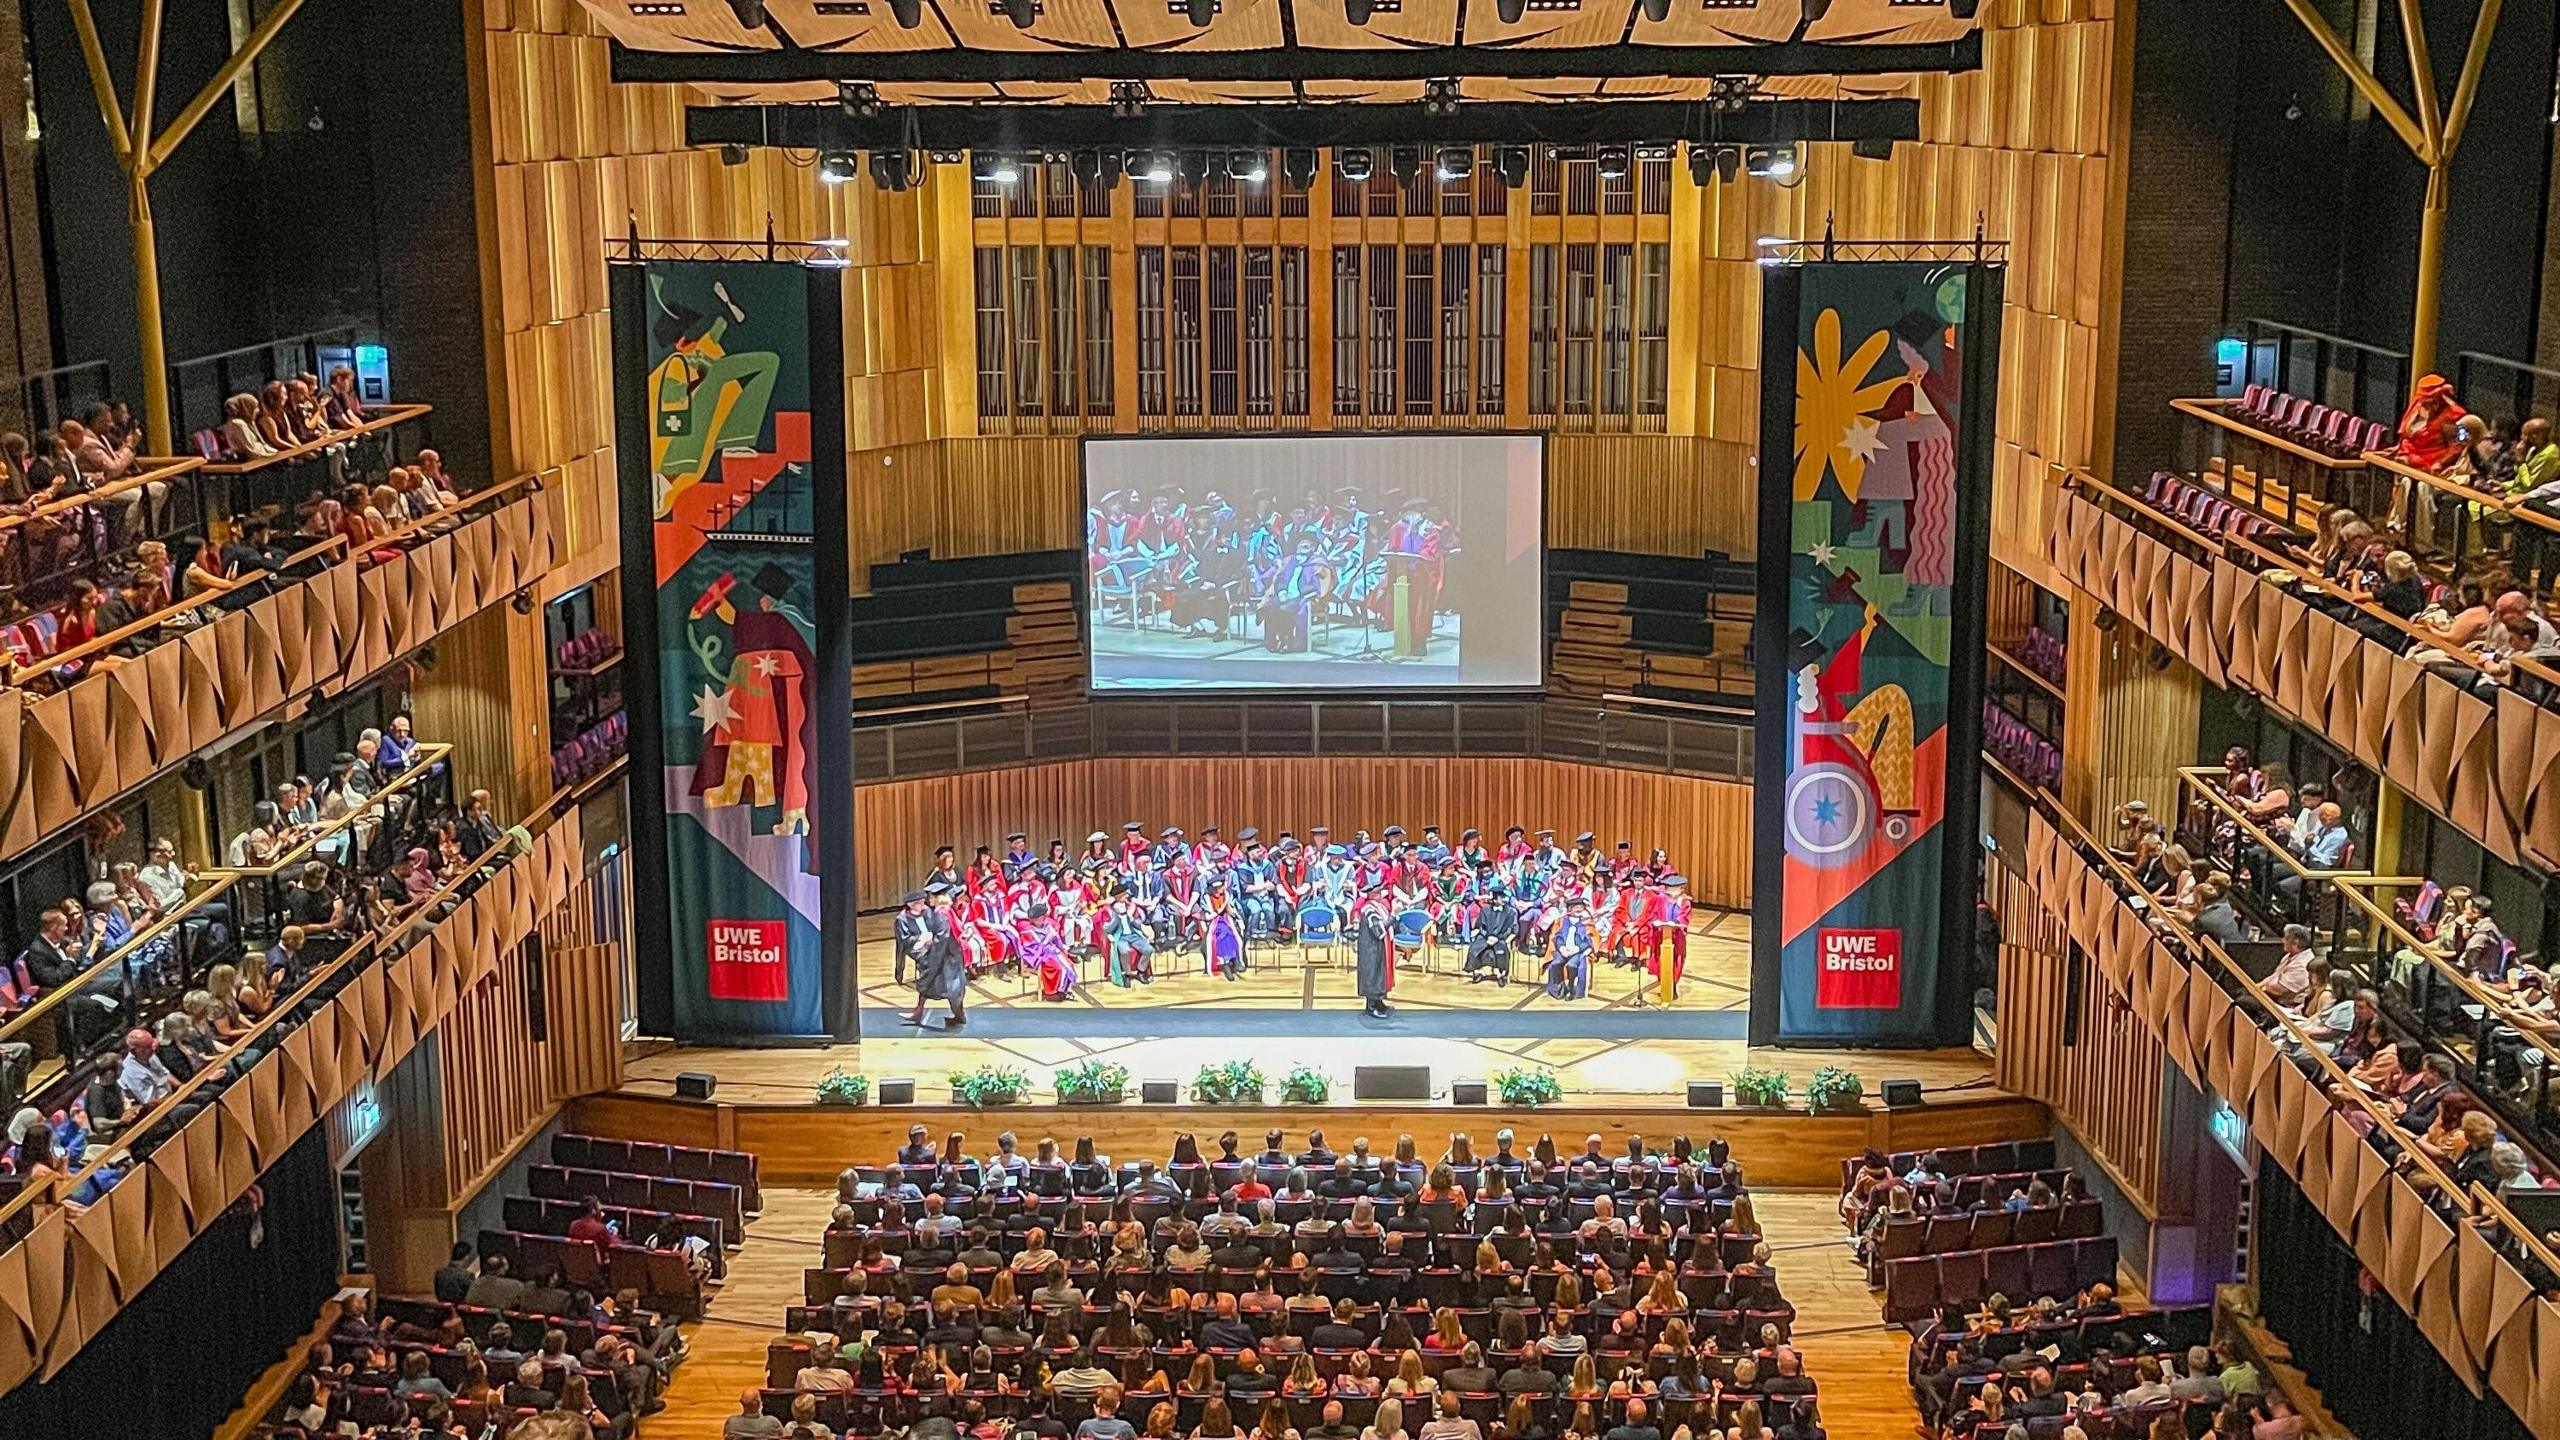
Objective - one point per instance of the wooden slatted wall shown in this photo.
(2106, 1085)
(500, 1083)
(1705, 824)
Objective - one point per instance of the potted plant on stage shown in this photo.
(840, 1087)
(1306, 1085)
(1229, 1082)
(1834, 1091)
(1528, 1088)
(989, 1086)
(1754, 1086)
(1092, 1082)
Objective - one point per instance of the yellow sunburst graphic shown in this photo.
(1834, 406)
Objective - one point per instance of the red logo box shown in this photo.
(749, 959)
(1860, 969)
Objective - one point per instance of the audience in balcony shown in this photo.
(2429, 428)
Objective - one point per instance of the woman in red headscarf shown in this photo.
(2428, 436)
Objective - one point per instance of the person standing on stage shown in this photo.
(1376, 950)
(1670, 932)
(941, 974)
(912, 936)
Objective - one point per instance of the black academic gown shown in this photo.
(941, 973)
(1376, 954)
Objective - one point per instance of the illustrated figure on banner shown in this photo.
(758, 728)
(704, 400)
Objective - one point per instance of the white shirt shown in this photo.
(167, 884)
(145, 1081)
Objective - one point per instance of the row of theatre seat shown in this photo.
(1946, 1234)
(679, 1162)
(2203, 508)
(880, 1412)
(2306, 422)
(2161, 1334)
(664, 1277)
(1919, 1286)
(717, 1199)
(660, 1229)
(370, 1406)
(2000, 1157)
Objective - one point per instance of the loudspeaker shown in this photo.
(695, 1085)
(1466, 1092)
(1706, 1094)
(899, 1090)
(1901, 1094)
(1392, 1082)
(1159, 1092)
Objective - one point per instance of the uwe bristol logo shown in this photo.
(1861, 969)
(747, 960)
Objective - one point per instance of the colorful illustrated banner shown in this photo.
(728, 698)
(1874, 509)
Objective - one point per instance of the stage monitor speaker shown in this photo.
(1466, 1092)
(1159, 1092)
(1391, 1082)
(1706, 1094)
(898, 1090)
(1901, 1094)
(695, 1085)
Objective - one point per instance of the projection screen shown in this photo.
(1372, 562)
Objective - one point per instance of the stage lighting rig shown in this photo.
(733, 155)
(1153, 166)
(1773, 162)
(1731, 94)
(1657, 11)
(1612, 162)
(860, 100)
(1201, 12)
(1457, 162)
(1355, 164)
(1709, 163)
(1405, 163)
(1511, 163)
(1358, 11)
(1250, 166)
(1023, 13)
(909, 13)
(891, 169)
(837, 166)
(750, 13)
(1440, 97)
(993, 167)
(1193, 165)
(1129, 99)
(1511, 10)
(1298, 167)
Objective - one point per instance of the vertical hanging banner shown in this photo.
(730, 433)
(1877, 385)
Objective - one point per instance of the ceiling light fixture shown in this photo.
(1298, 167)
(1405, 163)
(1355, 164)
(1250, 166)
(1154, 166)
(1612, 162)
(1440, 97)
(1772, 162)
(1511, 162)
(891, 170)
(837, 166)
(861, 101)
(1457, 162)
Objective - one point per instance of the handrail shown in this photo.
(2489, 1000)
(161, 468)
(2029, 671)
(2199, 779)
(99, 644)
(428, 755)
(284, 1005)
(382, 419)
(114, 960)
(2365, 606)
(450, 515)
(2201, 944)
(2210, 412)
(2513, 507)
(2076, 478)
(2492, 1208)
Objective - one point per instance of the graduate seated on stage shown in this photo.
(1569, 954)
(1128, 942)
(1492, 930)
(1221, 936)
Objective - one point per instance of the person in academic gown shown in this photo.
(1375, 948)
(941, 973)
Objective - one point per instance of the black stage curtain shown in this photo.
(175, 1362)
(2379, 1375)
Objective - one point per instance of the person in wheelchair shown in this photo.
(1569, 953)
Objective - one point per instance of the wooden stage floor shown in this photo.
(1295, 1007)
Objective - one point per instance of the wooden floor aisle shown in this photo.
(1856, 1360)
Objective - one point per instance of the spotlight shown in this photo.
(1021, 12)
(1129, 99)
(1872, 147)
(1728, 162)
(1086, 166)
(910, 13)
(1511, 163)
(1250, 166)
(1405, 163)
(1613, 162)
(1440, 97)
(1457, 162)
(1771, 162)
(1357, 11)
(1511, 10)
(1154, 166)
(837, 166)
(1657, 11)
(733, 155)
(1354, 164)
(1202, 12)
(1702, 164)
(993, 167)
(859, 100)
(750, 13)
(890, 169)
(1298, 167)
(1193, 164)
(1109, 178)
